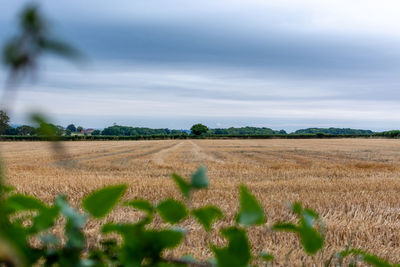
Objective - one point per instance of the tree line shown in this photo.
(336, 131)
(197, 130)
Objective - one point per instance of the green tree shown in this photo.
(198, 129)
(11, 131)
(79, 129)
(4, 120)
(96, 132)
(72, 128)
(26, 130)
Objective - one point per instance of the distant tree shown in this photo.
(118, 130)
(68, 132)
(11, 131)
(334, 131)
(96, 132)
(79, 129)
(25, 130)
(198, 129)
(245, 131)
(4, 120)
(60, 130)
(72, 128)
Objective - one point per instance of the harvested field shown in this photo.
(353, 183)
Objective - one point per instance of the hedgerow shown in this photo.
(173, 137)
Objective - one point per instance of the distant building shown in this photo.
(87, 131)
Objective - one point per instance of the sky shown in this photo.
(172, 63)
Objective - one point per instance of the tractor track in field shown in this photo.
(124, 160)
(160, 156)
(199, 153)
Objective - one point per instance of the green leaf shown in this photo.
(163, 239)
(74, 225)
(311, 239)
(207, 215)
(59, 47)
(45, 219)
(6, 189)
(99, 203)
(188, 258)
(19, 202)
(288, 227)
(267, 256)
(251, 212)
(237, 253)
(140, 244)
(172, 211)
(199, 178)
(182, 184)
(141, 204)
(366, 257)
(49, 239)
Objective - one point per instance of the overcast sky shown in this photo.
(172, 63)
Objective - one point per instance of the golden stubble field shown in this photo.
(353, 183)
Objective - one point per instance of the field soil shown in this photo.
(354, 184)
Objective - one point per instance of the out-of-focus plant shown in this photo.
(34, 39)
(25, 218)
(22, 52)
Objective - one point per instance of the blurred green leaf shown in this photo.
(237, 253)
(172, 211)
(311, 239)
(45, 128)
(19, 202)
(6, 189)
(267, 256)
(366, 257)
(140, 244)
(58, 47)
(288, 227)
(45, 219)
(31, 20)
(188, 258)
(34, 38)
(42, 220)
(251, 212)
(99, 203)
(207, 215)
(182, 184)
(199, 178)
(166, 238)
(12, 56)
(49, 239)
(141, 204)
(75, 222)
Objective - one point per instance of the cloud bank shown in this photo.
(232, 63)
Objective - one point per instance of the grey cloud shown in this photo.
(202, 45)
(232, 65)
